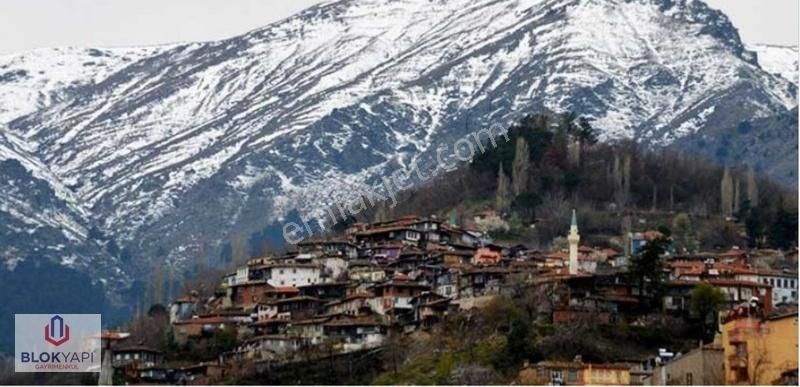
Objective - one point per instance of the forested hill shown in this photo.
(553, 163)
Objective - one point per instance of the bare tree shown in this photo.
(555, 207)
(473, 375)
(736, 194)
(752, 187)
(156, 284)
(148, 330)
(204, 282)
(239, 251)
(759, 361)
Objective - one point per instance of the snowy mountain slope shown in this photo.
(782, 60)
(39, 220)
(11, 151)
(36, 79)
(180, 149)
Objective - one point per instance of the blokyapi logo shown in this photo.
(77, 337)
(50, 331)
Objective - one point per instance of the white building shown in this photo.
(784, 285)
(292, 274)
(242, 275)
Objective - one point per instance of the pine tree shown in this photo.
(585, 132)
(520, 169)
(503, 195)
(567, 124)
(706, 302)
(647, 267)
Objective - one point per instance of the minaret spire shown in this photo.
(573, 238)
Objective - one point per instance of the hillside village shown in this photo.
(549, 259)
(361, 292)
(503, 192)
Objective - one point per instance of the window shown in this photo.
(280, 271)
(572, 376)
(689, 379)
(555, 376)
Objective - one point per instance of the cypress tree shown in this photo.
(521, 167)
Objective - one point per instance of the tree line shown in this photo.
(552, 163)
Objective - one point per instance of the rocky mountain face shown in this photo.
(171, 151)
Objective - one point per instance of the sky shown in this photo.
(29, 24)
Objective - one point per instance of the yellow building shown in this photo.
(757, 350)
(575, 373)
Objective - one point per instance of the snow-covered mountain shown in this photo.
(36, 79)
(782, 60)
(174, 150)
(40, 219)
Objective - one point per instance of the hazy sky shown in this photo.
(27, 24)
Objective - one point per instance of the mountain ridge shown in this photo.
(779, 59)
(194, 143)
